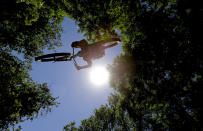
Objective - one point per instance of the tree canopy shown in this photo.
(158, 79)
(27, 28)
(20, 97)
(160, 87)
(30, 26)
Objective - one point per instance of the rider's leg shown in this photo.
(107, 40)
(112, 45)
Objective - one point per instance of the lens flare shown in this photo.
(99, 75)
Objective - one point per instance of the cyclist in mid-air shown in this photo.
(93, 51)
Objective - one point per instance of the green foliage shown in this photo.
(31, 25)
(21, 98)
(158, 79)
(70, 127)
(92, 18)
(104, 118)
(27, 27)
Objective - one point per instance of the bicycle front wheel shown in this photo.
(53, 57)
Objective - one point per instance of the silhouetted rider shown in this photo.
(93, 51)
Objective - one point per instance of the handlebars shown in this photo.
(73, 50)
(75, 63)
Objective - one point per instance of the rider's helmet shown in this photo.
(80, 44)
(75, 44)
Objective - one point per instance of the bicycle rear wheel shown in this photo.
(53, 57)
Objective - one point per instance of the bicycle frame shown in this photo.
(73, 57)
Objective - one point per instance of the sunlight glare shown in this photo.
(99, 75)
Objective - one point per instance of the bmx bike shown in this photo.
(68, 56)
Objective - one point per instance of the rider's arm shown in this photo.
(89, 64)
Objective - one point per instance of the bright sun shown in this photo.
(99, 75)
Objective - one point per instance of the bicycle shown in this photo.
(68, 56)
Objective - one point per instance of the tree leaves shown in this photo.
(156, 77)
(27, 27)
(20, 97)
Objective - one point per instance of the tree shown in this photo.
(92, 18)
(30, 26)
(107, 117)
(166, 74)
(27, 27)
(159, 78)
(20, 98)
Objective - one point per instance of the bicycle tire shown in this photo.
(53, 57)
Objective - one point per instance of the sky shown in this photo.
(78, 97)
